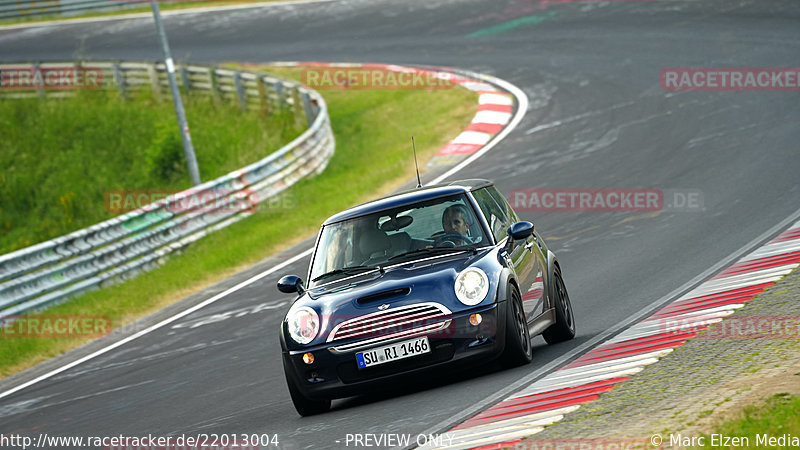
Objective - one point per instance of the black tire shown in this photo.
(518, 349)
(564, 328)
(304, 405)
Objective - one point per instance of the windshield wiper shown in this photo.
(435, 251)
(352, 270)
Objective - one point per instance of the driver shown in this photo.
(455, 220)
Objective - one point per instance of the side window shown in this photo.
(498, 197)
(495, 215)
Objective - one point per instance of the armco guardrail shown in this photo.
(262, 92)
(120, 248)
(34, 8)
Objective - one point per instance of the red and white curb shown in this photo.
(549, 399)
(495, 108)
(495, 111)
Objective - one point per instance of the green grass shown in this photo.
(776, 416)
(705, 413)
(373, 157)
(60, 157)
(163, 6)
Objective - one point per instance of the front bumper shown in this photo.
(336, 374)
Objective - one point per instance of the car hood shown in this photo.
(429, 280)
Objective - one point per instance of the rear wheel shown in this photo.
(564, 328)
(304, 405)
(518, 349)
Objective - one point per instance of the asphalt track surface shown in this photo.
(597, 119)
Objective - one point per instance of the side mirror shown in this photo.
(520, 231)
(290, 284)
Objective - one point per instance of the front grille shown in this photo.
(392, 324)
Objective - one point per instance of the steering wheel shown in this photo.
(451, 240)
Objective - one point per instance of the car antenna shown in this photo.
(414, 146)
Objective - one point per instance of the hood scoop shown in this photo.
(383, 295)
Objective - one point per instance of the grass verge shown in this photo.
(775, 417)
(61, 156)
(372, 130)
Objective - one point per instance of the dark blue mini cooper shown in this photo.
(416, 280)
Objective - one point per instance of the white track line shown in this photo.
(158, 325)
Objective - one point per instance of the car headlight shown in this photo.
(303, 324)
(472, 285)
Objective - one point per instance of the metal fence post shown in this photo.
(119, 79)
(214, 84)
(263, 96)
(281, 99)
(240, 92)
(307, 107)
(39, 89)
(298, 107)
(154, 83)
(187, 83)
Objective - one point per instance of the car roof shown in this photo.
(409, 197)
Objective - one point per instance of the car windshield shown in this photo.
(368, 242)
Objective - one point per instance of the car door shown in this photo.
(520, 255)
(533, 298)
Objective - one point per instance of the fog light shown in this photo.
(475, 319)
(308, 358)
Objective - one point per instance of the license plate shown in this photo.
(393, 352)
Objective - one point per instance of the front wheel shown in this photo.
(304, 405)
(564, 328)
(518, 349)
